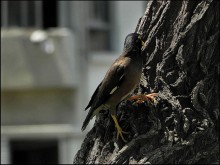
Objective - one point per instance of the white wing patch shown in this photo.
(113, 90)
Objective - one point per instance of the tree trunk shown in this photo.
(182, 65)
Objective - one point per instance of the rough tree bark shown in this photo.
(182, 65)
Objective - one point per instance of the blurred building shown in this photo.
(53, 56)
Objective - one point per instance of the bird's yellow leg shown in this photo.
(119, 129)
(141, 98)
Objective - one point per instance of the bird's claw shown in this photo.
(142, 98)
(120, 132)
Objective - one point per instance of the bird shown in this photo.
(119, 82)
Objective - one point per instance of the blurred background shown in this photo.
(53, 56)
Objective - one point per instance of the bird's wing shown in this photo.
(113, 79)
(93, 97)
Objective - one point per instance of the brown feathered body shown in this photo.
(120, 80)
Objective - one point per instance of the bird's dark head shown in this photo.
(133, 43)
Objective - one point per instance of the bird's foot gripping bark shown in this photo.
(141, 98)
(119, 129)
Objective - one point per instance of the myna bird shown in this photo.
(120, 80)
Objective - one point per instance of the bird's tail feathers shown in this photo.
(86, 121)
(90, 115)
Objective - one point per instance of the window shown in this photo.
(99, 26)
(41, 14)
(50, 18)
(34, 151)
(100, 11)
